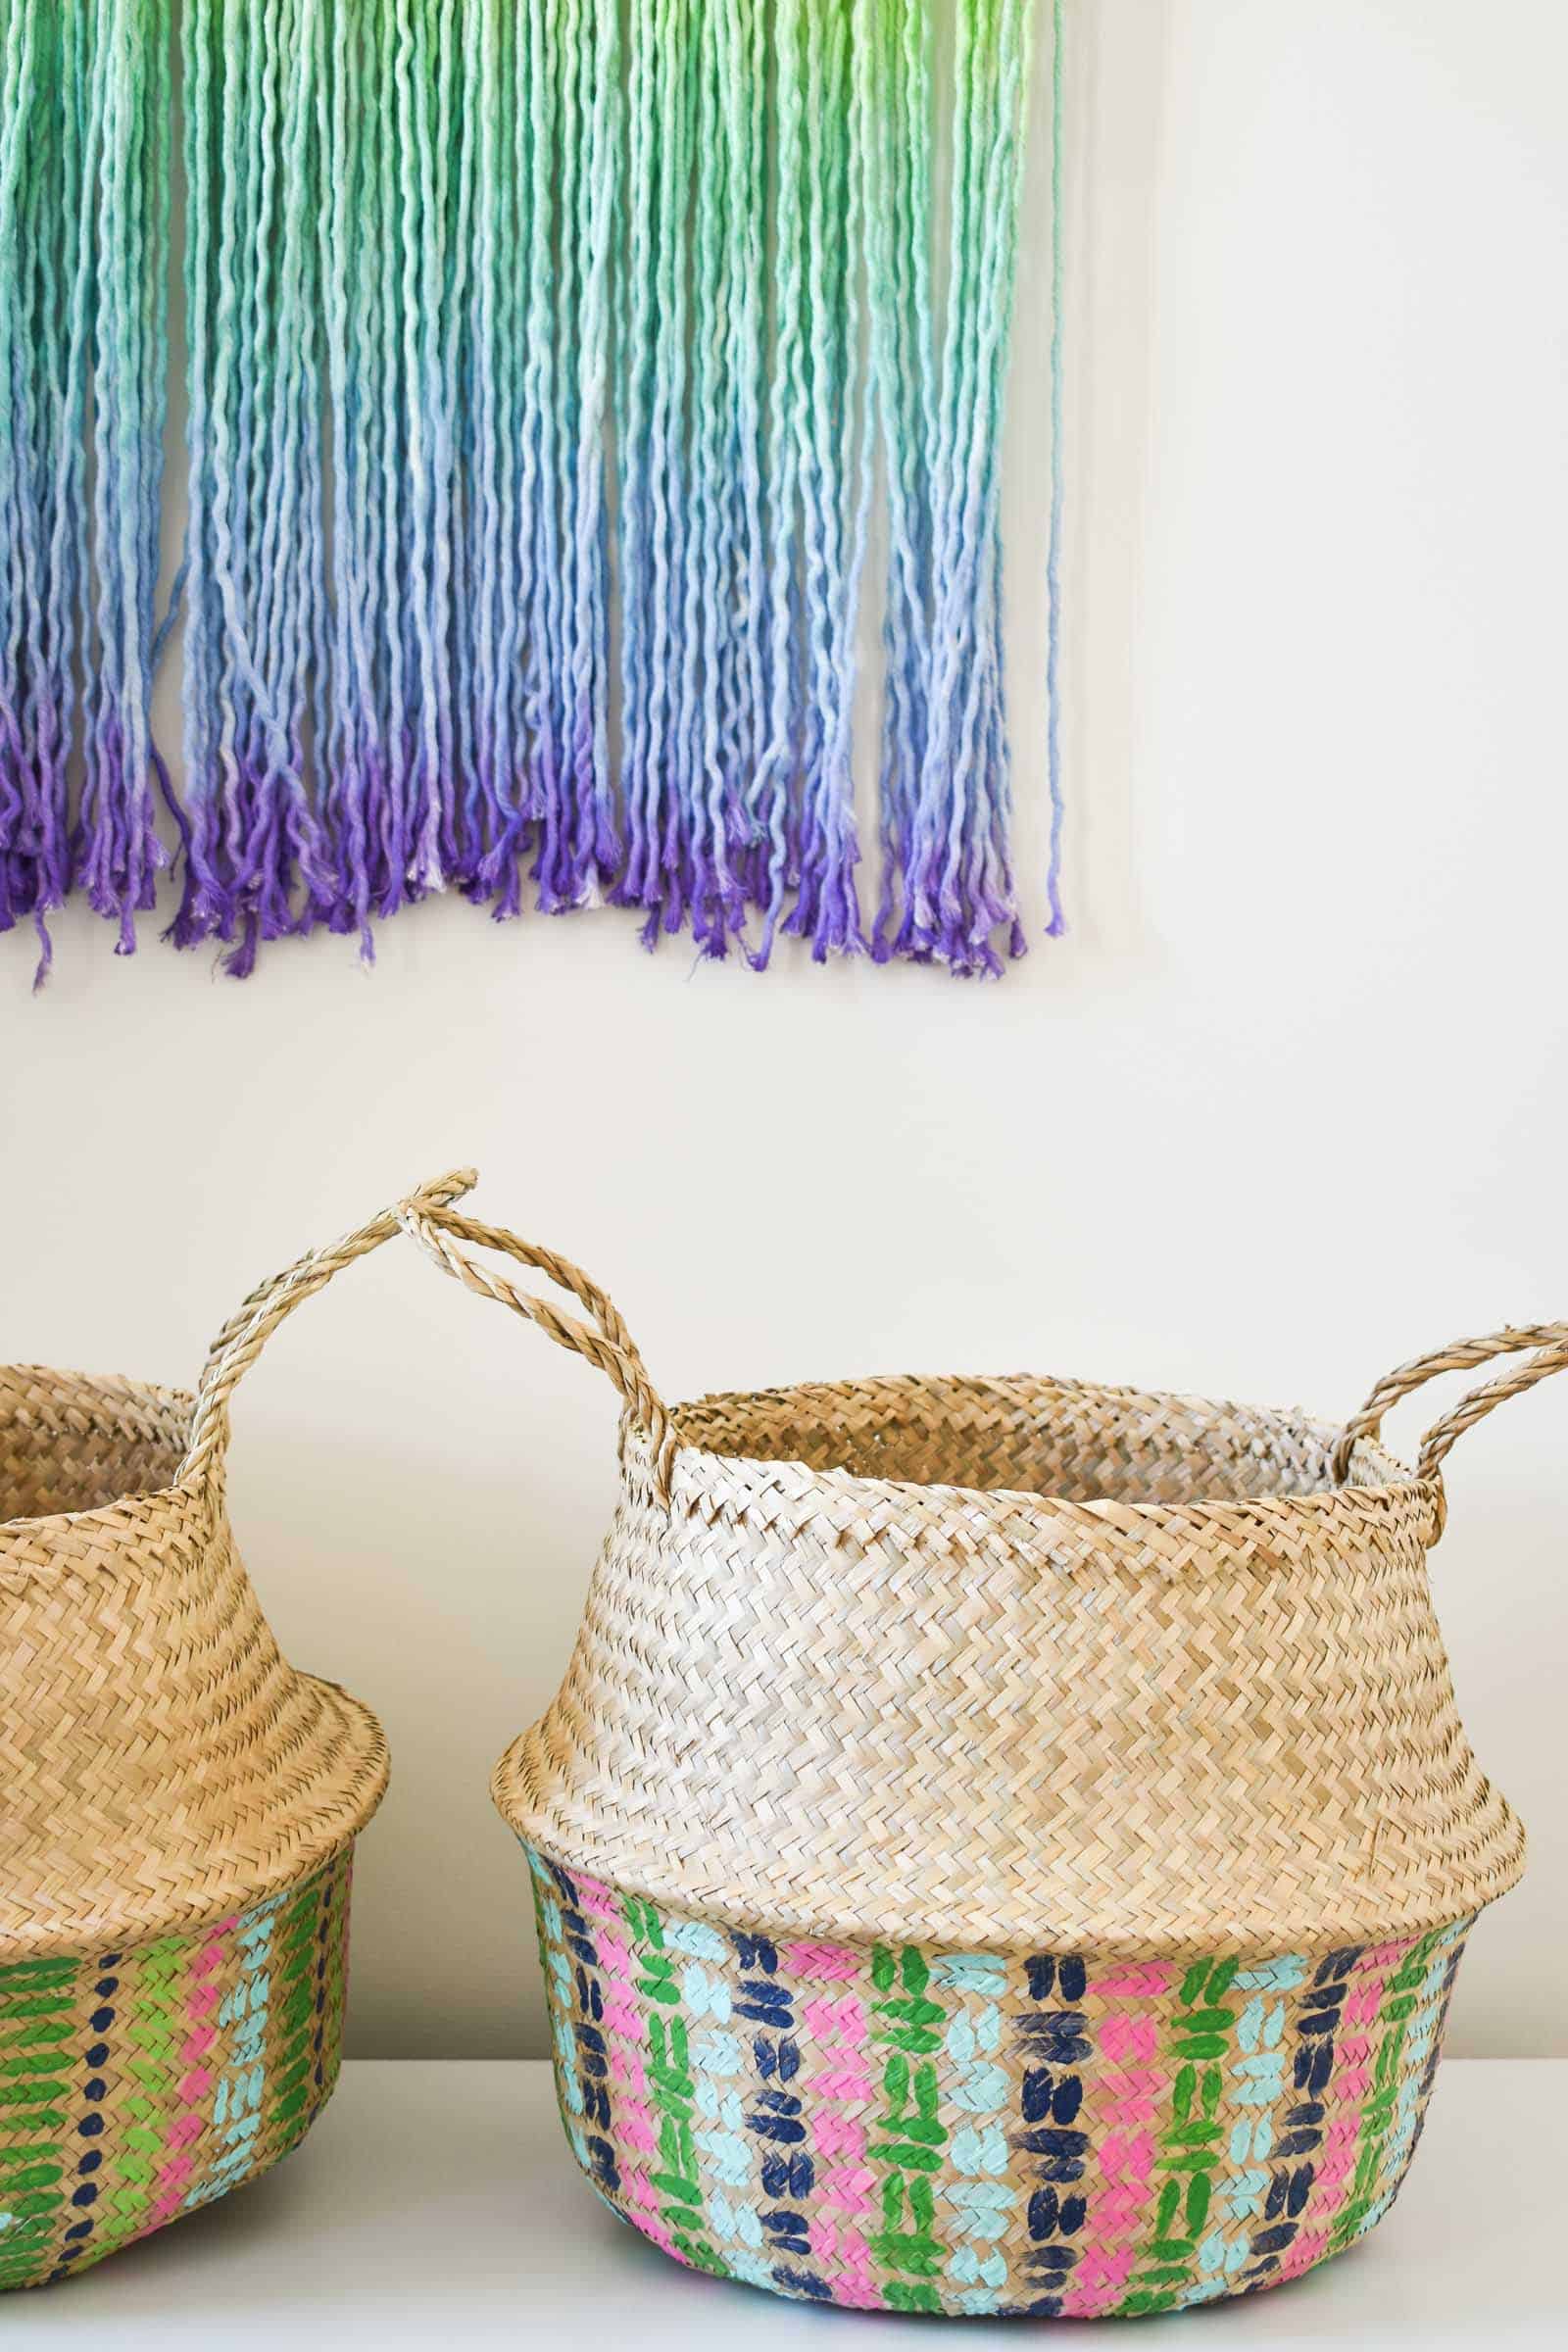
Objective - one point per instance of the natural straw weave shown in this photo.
(1005, 1668)
(178, 1805)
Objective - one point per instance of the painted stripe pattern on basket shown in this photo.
(135, 2085)
(38, 2001)
(149, 1997)
(582, 2068)
(766, 2003)
(1201, 2026)
(838, 2091)
(1054, 2045)
(1407, 2023)
(1124, 2100)
(312, 1964)
(904, 2129)
(909, 2135)
(983, 2200)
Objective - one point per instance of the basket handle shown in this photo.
(1549, 1340)
(252, 1324)
(605, 1341)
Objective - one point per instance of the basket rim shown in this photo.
(110, 1386)
(1399, 1477)
(1398, 1480)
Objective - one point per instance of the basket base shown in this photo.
(1046, 2135)
(779, 2281)
(137, 2085)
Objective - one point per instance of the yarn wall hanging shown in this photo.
(551, 369)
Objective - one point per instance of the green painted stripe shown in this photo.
(37, 2031)
(48, 2001)
(1399, 2002)
(911, 2026)
(31, 2061)
(149, 1993)
(26, 1974)
(673, 2090)
(294, 2007)
(23, 2093)
(1199, 2039)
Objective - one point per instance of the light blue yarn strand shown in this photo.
(1057, 923)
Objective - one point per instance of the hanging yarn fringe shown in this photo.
(84, 195)
(547, 362)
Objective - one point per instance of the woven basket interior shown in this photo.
(1062, 1440)
(68, 1443)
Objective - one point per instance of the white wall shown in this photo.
(1287, 1107)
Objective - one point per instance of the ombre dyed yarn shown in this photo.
(137, 2085)
(547, 365)
(85, 208)
(963, 2133)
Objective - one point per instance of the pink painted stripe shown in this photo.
(1116, 2209)
(625, 2025)
(1309, 2247)
(836, 2028)
(597, 1899)
(1134, 1981)
(833, 1961)
(202, 1996)
(1124, 2093)
(1348, 2088)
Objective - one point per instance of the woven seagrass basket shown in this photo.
(177, 1817)
(1001, 1845)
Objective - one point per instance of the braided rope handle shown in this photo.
(252, 1324)
(1549, 1340)
(605, 1342)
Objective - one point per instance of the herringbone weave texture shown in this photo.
(970, 1661)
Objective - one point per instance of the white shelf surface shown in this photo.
(437, 2204)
